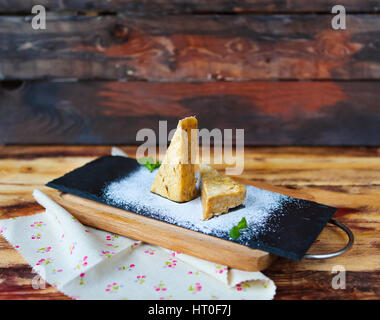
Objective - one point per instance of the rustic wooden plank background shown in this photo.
(277, 113)
(348, 178)
(191, 47)
(104, 69)
(274, 68)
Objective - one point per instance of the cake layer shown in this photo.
(219, 193)
(175, 178)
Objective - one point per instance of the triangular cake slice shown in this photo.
(175, 178)
(219, 193)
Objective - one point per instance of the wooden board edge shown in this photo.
(164, 234)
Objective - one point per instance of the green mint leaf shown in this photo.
(149, 163)
(156, 165)
(148, 166)
(234, 232)
(143, 161)
(242, 224)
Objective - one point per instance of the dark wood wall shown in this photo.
(102, 70)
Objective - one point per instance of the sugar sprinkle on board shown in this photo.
(132, 193)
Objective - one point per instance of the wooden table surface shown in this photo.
(348, 178)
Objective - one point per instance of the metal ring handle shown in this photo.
(339, 252)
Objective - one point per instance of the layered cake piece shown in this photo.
(219, 192)
(175, 178)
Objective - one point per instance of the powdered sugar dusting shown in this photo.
(133, 193)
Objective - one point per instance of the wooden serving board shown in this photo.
(163, 234)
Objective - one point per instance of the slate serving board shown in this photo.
(297, 222)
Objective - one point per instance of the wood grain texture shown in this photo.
(316, 285)
(192, 47)
(343, 177)
(190, 6)
(271, 113)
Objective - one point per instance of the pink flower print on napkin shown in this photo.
(81, 278)
(59, 221)
(160, 287)
(193, 272)
(112, 245)
(44, 250)
(57, 270)
(44, 262)
(38, 224)
(129, 268)
(135, 244)
(83, 263)
(221, 269)
(112, 237)
(175, 253)
(2, 230)
(195, 288)
(140, 279)
(265, 283)
(107, 254)
(113, 287)
(36, 236)
(150, 251)
(171, 263)
(243, 286)
(72, 247)
(169, 297)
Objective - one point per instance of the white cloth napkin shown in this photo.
(86, 263)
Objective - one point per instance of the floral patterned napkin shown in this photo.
(86, 263)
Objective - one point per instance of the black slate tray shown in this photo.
(298, 222)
